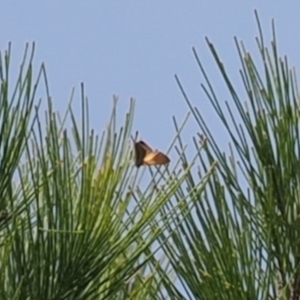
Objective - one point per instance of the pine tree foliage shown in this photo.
(75, 222)
(241, 240)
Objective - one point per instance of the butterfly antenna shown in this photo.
(136, 136)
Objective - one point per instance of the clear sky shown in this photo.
(134, 48)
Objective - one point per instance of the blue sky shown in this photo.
(133, 49)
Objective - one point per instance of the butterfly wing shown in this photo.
(145, 147)
(144, 155)
(156, 158)
(141, 151)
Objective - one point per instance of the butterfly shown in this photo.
(144, 155)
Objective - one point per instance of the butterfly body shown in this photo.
(144, 155)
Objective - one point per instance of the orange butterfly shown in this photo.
(144, 155)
